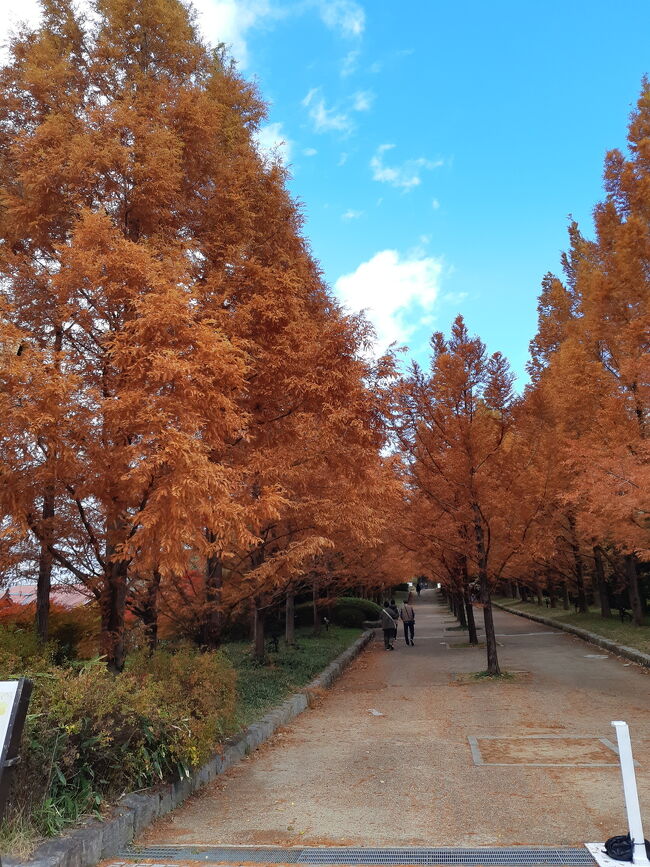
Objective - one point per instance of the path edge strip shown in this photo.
(101, 839)
(630, 653)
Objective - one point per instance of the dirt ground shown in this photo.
(343, 775)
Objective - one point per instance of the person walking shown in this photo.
(418, 587)
(407, 616)
(393, 610)
(388, 625)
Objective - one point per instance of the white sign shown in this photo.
(8, 689)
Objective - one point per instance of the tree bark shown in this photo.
(212, 620)
(316, 610)
(149, 612)
(460, 609)
(633, 587)
(113, 608)
(566, 602)
(290, 620)
(603, 595)
(583, 608)
(471, 622)
(488, 620)
(45, 560)
(259, 648)
(552, 590)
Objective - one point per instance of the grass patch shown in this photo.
(471, 677)
(260, 687)
(485, 675)
(608, 627)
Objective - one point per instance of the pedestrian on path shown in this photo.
(388, 624)
(393, 610)
(407, 616)
(418, 588)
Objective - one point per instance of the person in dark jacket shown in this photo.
(388, 624)
(393, 610)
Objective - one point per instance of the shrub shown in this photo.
(91, 735)
(403, 586)
(351, 611)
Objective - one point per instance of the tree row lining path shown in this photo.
(341, 775)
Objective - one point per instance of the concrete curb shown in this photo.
(630, 653)
(98, 840)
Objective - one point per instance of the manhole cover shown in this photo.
(544, 751)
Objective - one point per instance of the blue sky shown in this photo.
(437, 148)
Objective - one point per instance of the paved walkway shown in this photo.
(341, 775)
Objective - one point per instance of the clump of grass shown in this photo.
(485, 675)
(19, 837)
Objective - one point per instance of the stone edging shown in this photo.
(630, 653)
(98, 840)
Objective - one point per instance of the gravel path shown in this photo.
(342, 775)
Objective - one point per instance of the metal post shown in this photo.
(14, 699)
(631, 795)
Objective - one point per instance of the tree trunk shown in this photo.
(583, 608)
(212, 620)
(113, 607)
(45, 559)
(45, 567)
(460, 609)
(603, 595)
(633, 587)
(566, 602)
(259, 649)
(316, 609)
(552, 591)
(490, 637)
(471, 622)
(290, 620)
(149, 612)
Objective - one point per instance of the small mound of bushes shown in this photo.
(351, 611)
(90, 736)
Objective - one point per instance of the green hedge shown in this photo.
(348, 611)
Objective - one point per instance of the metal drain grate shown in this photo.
(452, 857)
(447, 857)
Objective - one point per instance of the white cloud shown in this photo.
(395, 291)
(349, 63)
(272, 142)
(345, 16)
(363, 100)
(404, 176)
(435, 204)
(309, 152)
(342, 159)
(230, 21)
(351, 214)
(325, 119)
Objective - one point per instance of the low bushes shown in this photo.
(90, 736)
(351, 611)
